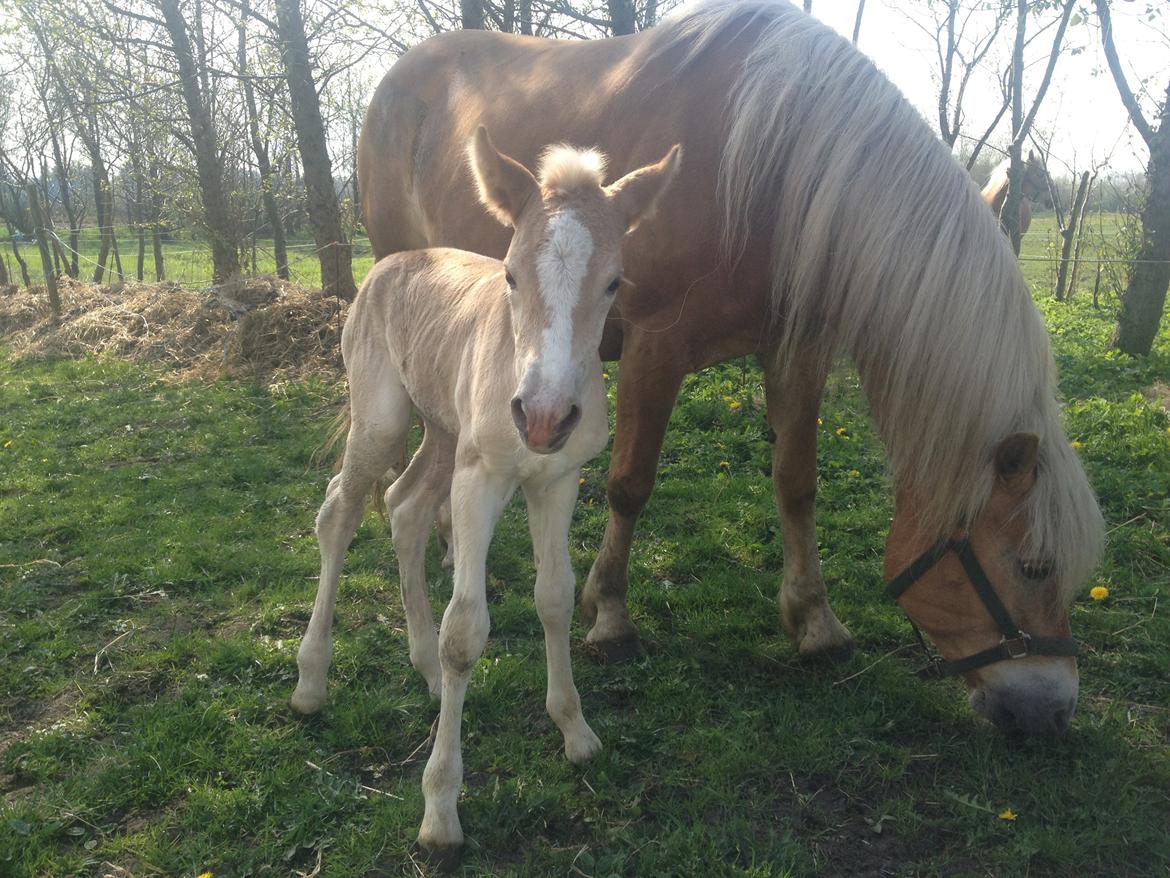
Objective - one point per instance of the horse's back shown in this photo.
(429, 316)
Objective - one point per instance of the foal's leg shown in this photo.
(477, 499)
(550, 511)
(647, 386)
(412, 502)
(794, 399)
(380, 418)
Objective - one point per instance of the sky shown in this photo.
(1082, 113)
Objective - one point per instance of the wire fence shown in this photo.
(188, 265)
(184, 264)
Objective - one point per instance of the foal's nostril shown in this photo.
(570, 420)
(519, 418)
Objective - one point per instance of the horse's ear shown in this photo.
(1015, 461)
(637, 192)
(504, 184)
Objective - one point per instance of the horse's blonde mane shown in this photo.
(998, 178)
(563, 168)
(884, 250)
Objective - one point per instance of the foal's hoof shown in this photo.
(607, 652)
(306, 703)
(443, 858)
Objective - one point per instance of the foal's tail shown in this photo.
(338, 432)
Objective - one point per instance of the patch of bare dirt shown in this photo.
(260, 327)
(1159, 394)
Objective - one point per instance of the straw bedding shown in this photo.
(259, 328)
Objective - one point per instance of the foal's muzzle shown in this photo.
(544, 432)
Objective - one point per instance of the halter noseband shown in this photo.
(1014, 644)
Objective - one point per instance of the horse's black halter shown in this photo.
(1014, 644)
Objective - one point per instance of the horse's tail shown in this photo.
(338, 431)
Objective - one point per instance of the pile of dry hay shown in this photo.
(259, 327)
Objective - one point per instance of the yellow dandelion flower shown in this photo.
(581, 481)
(8, 444)
(203, 875)
(1098, 592)
(855, 472)
(723, 464)
(1076, 444)
(605, 375)
(735, 405)
(819, 422)
(1007, 814)
(841, 431)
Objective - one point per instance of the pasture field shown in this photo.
(157, 568)
(187, 259)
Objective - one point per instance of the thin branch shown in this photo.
(1131, 105)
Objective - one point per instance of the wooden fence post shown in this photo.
(38, 218)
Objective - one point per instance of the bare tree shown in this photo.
(1009, 214)
(1149, 273)
(260, 149)
(324, 213)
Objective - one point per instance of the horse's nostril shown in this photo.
(518, 417)
(1061, 720)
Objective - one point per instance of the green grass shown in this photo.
(187, 259)
(159, 567)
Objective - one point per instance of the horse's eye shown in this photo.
(511, 281)
(613, 287)
(1035, 570)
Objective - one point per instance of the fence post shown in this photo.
(38, 218)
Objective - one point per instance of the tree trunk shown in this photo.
(1068, 233)
(321, 198)
(1076, 266)
(4, 280)
(260, 150)
(1149, 274)
(526, 17)
(471, 12)
(38, 218)
(156, 205)
(621, 16)
(216, 216)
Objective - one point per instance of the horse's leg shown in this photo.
(794, 399)
(412, 503)
(477, 499)
(380, 417)
(651, 374)
(550, 511)
(446, 543)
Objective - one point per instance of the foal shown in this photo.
(501, 361)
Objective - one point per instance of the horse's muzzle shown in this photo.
(1040, 704)
(544, 433)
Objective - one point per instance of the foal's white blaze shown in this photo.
(561, 266)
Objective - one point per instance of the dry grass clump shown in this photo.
(259, 327)
(1159, 394)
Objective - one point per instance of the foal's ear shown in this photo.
(1015, 461)
(638, 191)
(504, 184)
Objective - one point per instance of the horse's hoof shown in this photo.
(306, 704)
(582, 748)
(443, 858)
(607, 652)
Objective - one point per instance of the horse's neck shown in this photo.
(994, 194)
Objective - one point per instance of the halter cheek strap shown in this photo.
(1014, 644)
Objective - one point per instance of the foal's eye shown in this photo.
(511, 281)
(613, 287)
(1035, 570)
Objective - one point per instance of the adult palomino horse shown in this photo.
(500, 359)
(820, 217)
(1035, 187)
